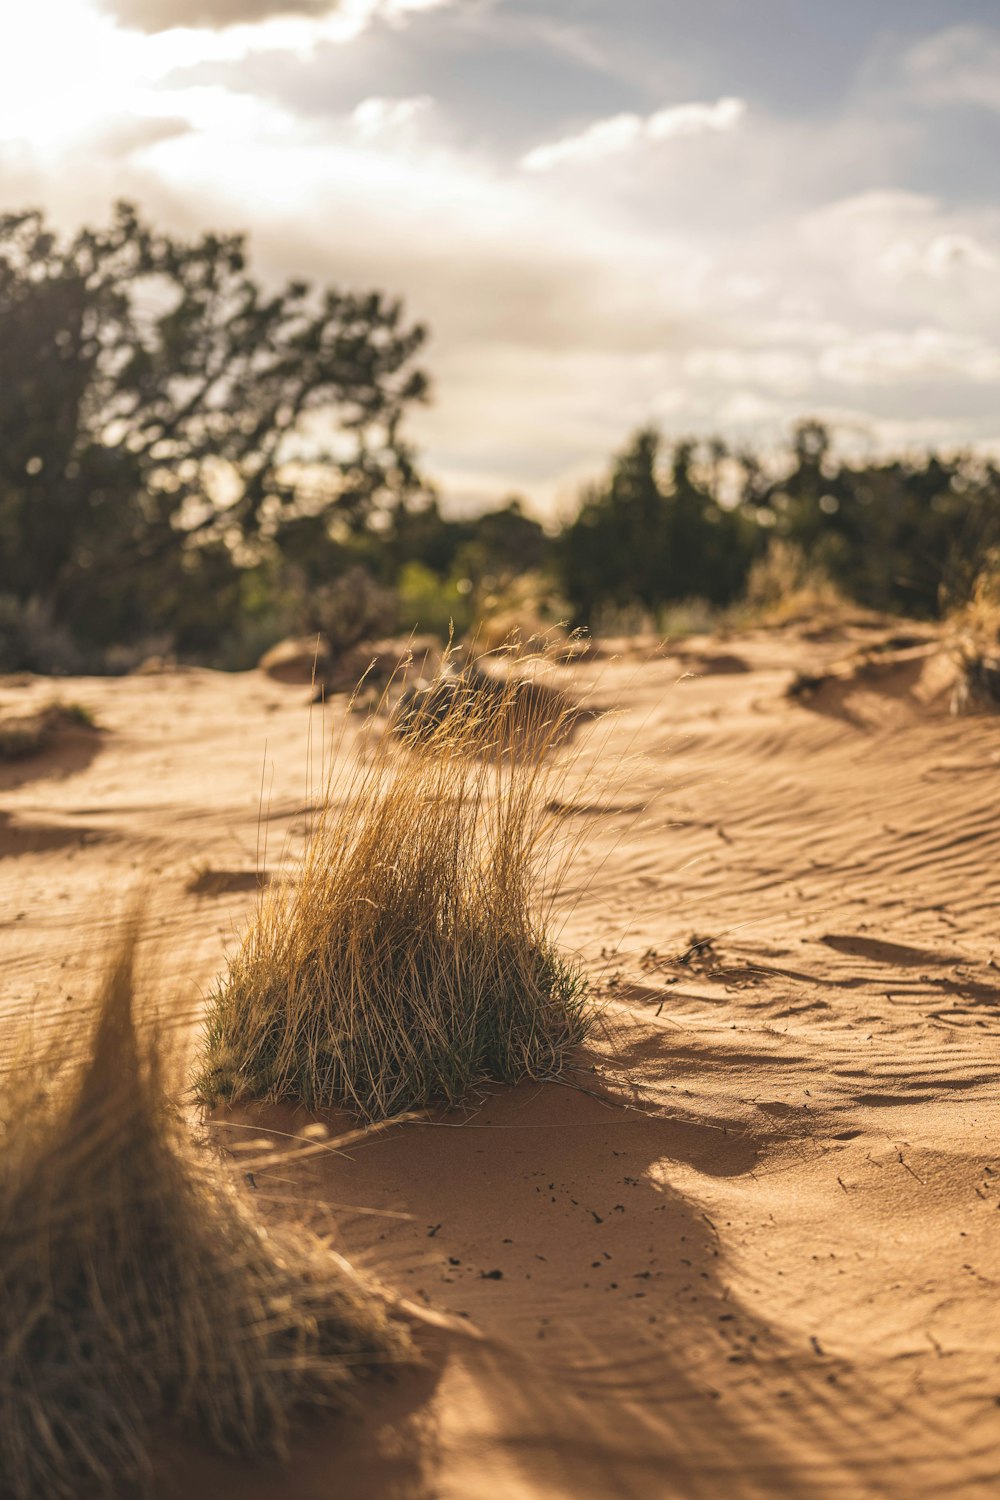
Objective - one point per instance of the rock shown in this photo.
(310, 661)
(423, 651)
(379, 662)
(299, 662)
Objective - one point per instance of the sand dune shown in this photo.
(753, 1247)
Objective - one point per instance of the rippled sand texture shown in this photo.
(755, 1251)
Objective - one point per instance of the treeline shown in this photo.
(906, 534)
(192, 463)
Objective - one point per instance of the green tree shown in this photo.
(901, 534)
(165, 419)
(654, 533)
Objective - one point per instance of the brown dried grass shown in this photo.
(136, 1289)
(414, 957)
(974, 634)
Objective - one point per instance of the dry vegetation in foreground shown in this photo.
(135, 1288)
(414, 959)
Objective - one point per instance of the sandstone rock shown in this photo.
(299, 661)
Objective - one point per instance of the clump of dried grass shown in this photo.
(414, 957)
(522, 609)
(975, 641)
(785, 587)
(135, 1288)
(26, 734)
(504, 709)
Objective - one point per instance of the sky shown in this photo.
(715, 215)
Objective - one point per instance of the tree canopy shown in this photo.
(163, 416)
(688, 520)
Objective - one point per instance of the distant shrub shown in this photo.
(784, 585)
(25, 734)
(350, 609)
(429, 603)
(32, 641)
(974, 630)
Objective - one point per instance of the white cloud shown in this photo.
(619, 133)
(602, 139)
(960, 65)
(785, 370)
(153, 16)
(888, 249)
(942, 257)
(921, 354)
(397, 9)
(377, 117)
(694, 119)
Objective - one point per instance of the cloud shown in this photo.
(944, 257)
(612, 137)
(122, 135)
(376, 116)
(694, 119)
(921, 354)
(958, 66)
(785, 370)
(217, 15)
(213, 15)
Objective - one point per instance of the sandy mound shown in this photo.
(43, 738)
(884, 686)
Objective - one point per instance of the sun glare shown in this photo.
(66, 65)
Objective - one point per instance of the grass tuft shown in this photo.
(414, 957)
(975, 642)
(785, 587)
(26, 734)
(135, 1288)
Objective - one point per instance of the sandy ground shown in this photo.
(755, 1249)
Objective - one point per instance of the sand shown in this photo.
(753, 1247)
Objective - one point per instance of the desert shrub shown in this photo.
(974, 632)
(26, 734)
(496, 711)
(524, 610)
(350, 609)
(615, 621)
(784, 585)
(427, 602)
(414, 958)
(689, 617)
(32, 641)
(136, 1288)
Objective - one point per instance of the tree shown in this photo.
(164, 418)
(901, 534)
(654, 533)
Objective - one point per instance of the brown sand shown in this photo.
(757, 1251)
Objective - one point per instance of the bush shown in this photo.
(414, 958)
(26, 734)
(430, 603)
(351, 609)
(31, 641)
(975, 639)
(135, 1288)
(784, 585)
